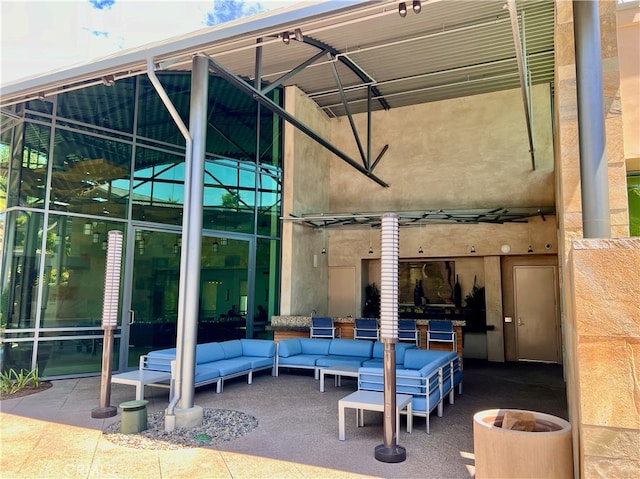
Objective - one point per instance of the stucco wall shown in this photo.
(305, 190)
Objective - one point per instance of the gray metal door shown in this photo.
(537, 322)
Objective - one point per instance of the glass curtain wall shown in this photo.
(110, 158)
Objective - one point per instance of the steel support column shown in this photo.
(593, 159)
(189, 288)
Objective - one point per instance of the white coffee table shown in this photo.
(141, 378)
(337, 372)
(371, 401)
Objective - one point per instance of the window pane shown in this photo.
(20, 269)
(229, 194)
(158, 187)
(154, 120)
(31, 151)
(90, 174)
(269, 202)
(633, 185)
(108, 107)
(74, 271)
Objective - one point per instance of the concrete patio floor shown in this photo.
(51, 433)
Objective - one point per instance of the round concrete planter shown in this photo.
(545, 452)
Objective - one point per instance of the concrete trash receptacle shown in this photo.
(545, 452)
(134, 416)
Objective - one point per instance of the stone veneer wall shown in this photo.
(599, 278)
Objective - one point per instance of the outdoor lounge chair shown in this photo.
(366, 329)
(322, 327)
(408, 331)
(442, 332)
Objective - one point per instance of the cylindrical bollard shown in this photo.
(545, 452)
(134, 416)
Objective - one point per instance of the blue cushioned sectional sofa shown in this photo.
(307, 353)
(216, 362)
(426, 374)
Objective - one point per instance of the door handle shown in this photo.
(132, 316)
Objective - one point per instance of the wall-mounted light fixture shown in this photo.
(530, 249)
(417, 6)
(473, 249)
(215, 246)
(297, 36)
(402, 9)
(420, 250)
(505, 248)
(285, 38)
(108, 80)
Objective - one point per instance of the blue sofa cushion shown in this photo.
(209, 352)
(232, 366)
(350, 347)
(418, 358)
(160, 360)
(232, 348)
(258, 362)
(315, 346)
(206, 373)
(258, 347)
(289, 347)
(326, 361)
(377, 354)
(419, 403)
(306, 360)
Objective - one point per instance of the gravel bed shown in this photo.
(218, 426)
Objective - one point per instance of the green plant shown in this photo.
(476, 297)
(12, 381)
(371, 302)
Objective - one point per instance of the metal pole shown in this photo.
(189, 288)
(593, 157)
(109, 321)
(389, 451)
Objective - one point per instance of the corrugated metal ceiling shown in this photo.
(451, 49)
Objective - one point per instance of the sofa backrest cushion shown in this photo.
(258, 347)
(289, 347)
(160, 360)
(418, 358)
(232, 348)
(315, 346)
(351, 347)
(209, 352)
(401, 348)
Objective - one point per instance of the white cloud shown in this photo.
(39, 36)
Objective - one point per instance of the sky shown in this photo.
(38, 36)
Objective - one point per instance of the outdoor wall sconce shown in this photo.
(370, 250)
(215, 246)
(530, 249)
(417, 6)
(420, 250)
(505, 248)
(473, 249)
(285, 38)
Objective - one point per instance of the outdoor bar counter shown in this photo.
(284, 327)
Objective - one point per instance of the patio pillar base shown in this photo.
(104, 412)
(390, 454)
(189, 417)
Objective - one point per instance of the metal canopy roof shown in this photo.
(450, 49)
(419, 218)
(354, 57)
